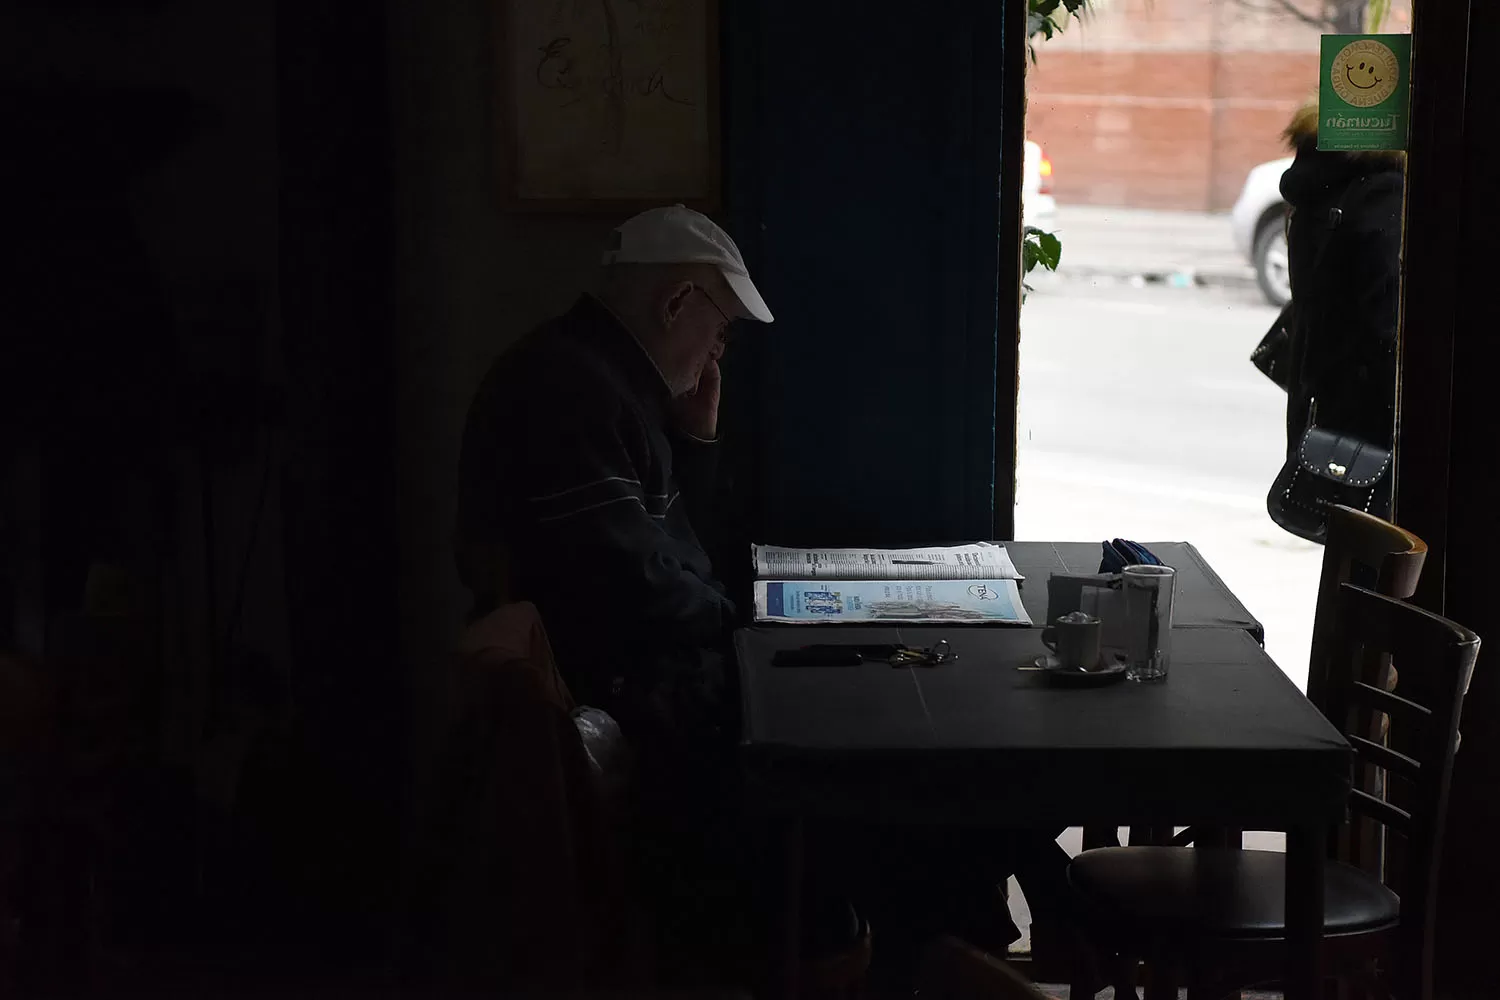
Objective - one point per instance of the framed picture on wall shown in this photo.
(610, 105)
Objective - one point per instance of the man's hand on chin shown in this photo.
(698, 411)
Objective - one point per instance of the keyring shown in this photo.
(941, 652)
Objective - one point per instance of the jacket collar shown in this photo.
(607, 334)
(1316, 176)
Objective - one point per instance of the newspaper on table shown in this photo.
(919, 602)
(935, 585)
(973, 562)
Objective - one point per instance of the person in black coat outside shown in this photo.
(1344, 243)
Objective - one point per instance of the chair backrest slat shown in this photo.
(1380, 810)
(1384, 757)
(1398, 708)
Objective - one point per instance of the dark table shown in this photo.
(1227, 740)
(1202, 600)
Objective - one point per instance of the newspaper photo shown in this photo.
(935, 602)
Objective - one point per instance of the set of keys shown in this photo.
(906, 656)
(852, 655)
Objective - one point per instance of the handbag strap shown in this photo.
(1333, 218)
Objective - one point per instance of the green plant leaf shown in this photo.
(1051, 251)
(1049, 17)
(1039, 249)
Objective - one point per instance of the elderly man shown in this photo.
(584, 487)
(587, 467)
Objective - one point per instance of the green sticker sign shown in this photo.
(1366, 84)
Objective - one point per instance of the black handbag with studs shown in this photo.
(1329, 468)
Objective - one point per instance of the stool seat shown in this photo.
(1187, 892)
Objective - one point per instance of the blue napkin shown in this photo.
(1121, 553)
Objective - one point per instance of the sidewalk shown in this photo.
(1175, 248)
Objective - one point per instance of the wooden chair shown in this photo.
(521, 884)
(1216, 917)
(524, 881)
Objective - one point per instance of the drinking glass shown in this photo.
(1148, 593)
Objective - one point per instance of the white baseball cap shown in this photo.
(679, 235)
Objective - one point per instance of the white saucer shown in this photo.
(1101, 674)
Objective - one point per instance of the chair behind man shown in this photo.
(524, 879)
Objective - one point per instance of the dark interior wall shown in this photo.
(140, 182)
(140, 430)
(470, 277)
(328, 790)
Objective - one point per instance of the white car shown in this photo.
(1038, 207)
(1259, 220)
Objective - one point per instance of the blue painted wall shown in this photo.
(862, 151)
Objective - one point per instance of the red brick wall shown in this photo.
(1168, 103)
(1175, 130)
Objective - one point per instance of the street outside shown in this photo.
(1141, 416)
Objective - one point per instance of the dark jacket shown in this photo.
(1344, 243)
(574, 494)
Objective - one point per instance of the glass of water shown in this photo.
(1148, 593)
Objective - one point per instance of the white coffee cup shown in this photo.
(1075, 639)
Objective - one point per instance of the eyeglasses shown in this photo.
(723, 330)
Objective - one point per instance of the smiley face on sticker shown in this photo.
(1365, 73)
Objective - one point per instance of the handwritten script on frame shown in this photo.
(611, 100)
